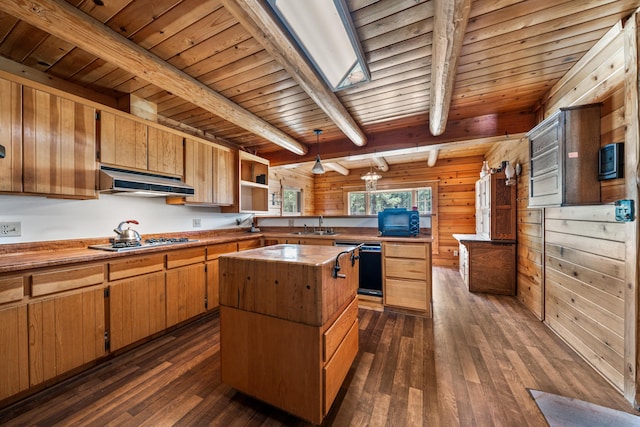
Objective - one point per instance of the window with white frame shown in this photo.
(291, 201)
(372, 202)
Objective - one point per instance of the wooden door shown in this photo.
(224, 174)
(14, 369)
(123, 142)
(11, 136)
(165, 151)
(59, 145)
(136, 309)
(186, 293)
(199, 171)
(65, 332)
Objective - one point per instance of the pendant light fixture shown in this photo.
(371, 179)
(317, 167)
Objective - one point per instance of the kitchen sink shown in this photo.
(314, 233)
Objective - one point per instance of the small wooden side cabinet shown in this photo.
(487, 265)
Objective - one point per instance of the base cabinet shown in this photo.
(136, 309)
(186, 293)
(255, 349)
(406, 269)
(489, 266)
(14, 350)
(65, 332)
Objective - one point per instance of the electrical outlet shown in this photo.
(197, 223)
(455, 252)
(10, 229)
(291, 223)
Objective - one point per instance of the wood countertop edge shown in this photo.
(28, 260)
(347, 237)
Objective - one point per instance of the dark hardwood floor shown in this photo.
(469, 365)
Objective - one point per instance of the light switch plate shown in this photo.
(625, 210)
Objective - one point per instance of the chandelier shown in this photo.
(371, 179)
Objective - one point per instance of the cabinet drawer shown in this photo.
(335, 371)
(248, 244)
(214, 251)
(63, 280)
(185, 257)
(545, 138)
(11, 289)
(406, 294)
(135, 266)
(403, 250)
(405, 268)
(333, 336)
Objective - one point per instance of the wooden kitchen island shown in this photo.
(288, 325)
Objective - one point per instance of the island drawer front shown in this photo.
(11, 289)
(214, 251)
(185, 257)
(336, 369)
(407, 294)
(405, 250)
(333, 336)
(50, 282)
(405, 268)
(136, 266)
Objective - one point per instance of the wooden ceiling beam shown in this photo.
(258, 21)
(449, 27)
(381, 163)
(492, 125)
(62, 20)
(337, 167)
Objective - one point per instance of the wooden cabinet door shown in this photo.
(59, 145)
(199, 171)
(224, 173)
(14, 351)
(65, 332)
(165, 151)
(186, 293)
(123, 142)
(11, 136)
(136, 309)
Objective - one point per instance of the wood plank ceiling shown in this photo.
(239, 89)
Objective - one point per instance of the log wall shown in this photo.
(295, 178)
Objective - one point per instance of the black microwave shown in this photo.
(398, 222)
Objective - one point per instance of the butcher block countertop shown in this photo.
(291, 282)
(14, 258)
(292, 254)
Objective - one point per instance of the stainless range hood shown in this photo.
(140, 184)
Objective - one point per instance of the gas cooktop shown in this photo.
(143, 244)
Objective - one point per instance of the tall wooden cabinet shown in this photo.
(487, 259)
(564, 158)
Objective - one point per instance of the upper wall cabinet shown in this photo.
(210, 170)
(59, 145)
(564, 158)
(129, 143)
(11, 136)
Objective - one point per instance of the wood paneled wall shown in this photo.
(456, 196)
(295, 178)
(530, 228)
(571, 260)
(584, 284)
